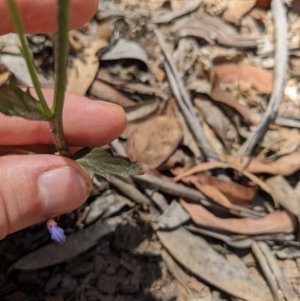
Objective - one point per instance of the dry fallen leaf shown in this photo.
(216, 119)
(212, 165)
(201, 260)
(131, 87)
(224, 97)
(210, 191)
(285, 165)
(235, 192)
(213, 28)
(124, 49)
(236, 9)
(84, 69)
(141, 110)
(186, 8)
(258, 78)
(268, 224)
(154, 141)
(103, 91)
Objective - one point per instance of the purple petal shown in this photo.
(57, 233)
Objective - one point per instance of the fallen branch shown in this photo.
(281, 64)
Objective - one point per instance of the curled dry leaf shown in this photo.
(124, 49)
(224, 97)
(237, 193)
(210, 29)
(212, 165)
(236, 9)
(186, 8)
(216, 119)
(285, 165)
(103, 91)
(258, 78)
(84, 69)
(131, 87)
(284, 194)
(154, 141)
(268, 224)
(210, 191)
(141, 110)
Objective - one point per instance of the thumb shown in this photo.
(37, 187)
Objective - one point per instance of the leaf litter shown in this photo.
(195, 79)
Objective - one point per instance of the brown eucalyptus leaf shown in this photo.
(224, 97)
(154, 141)
(210, 191)
(285, 165)
(212, 165)
(84, 69)
(257, 77)
(236, 9)
(235, 192)
(267, 224)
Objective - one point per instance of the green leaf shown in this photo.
(104, 162)
(15, 102)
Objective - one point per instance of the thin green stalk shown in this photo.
(27, 55)
(61, 61)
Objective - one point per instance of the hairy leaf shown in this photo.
(15, 102)
(104, 162)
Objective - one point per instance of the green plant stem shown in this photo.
(27, 55)
(61, 61)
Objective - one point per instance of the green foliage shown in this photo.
(105, 163)
(15, 102)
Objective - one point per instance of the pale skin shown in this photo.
(35, 187)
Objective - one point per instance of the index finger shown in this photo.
(40, 16)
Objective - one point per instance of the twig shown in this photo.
(286, 288)
(281, 64)
(183, 191)
(130, 191)
(184, 101)
(266, 270)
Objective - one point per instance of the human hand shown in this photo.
(36, 187)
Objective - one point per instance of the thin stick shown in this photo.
(184, 101)
(286, 288)
(281, 64)
(266, 270)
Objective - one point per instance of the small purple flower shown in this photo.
(57, 233)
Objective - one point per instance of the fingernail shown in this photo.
(62, 190)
